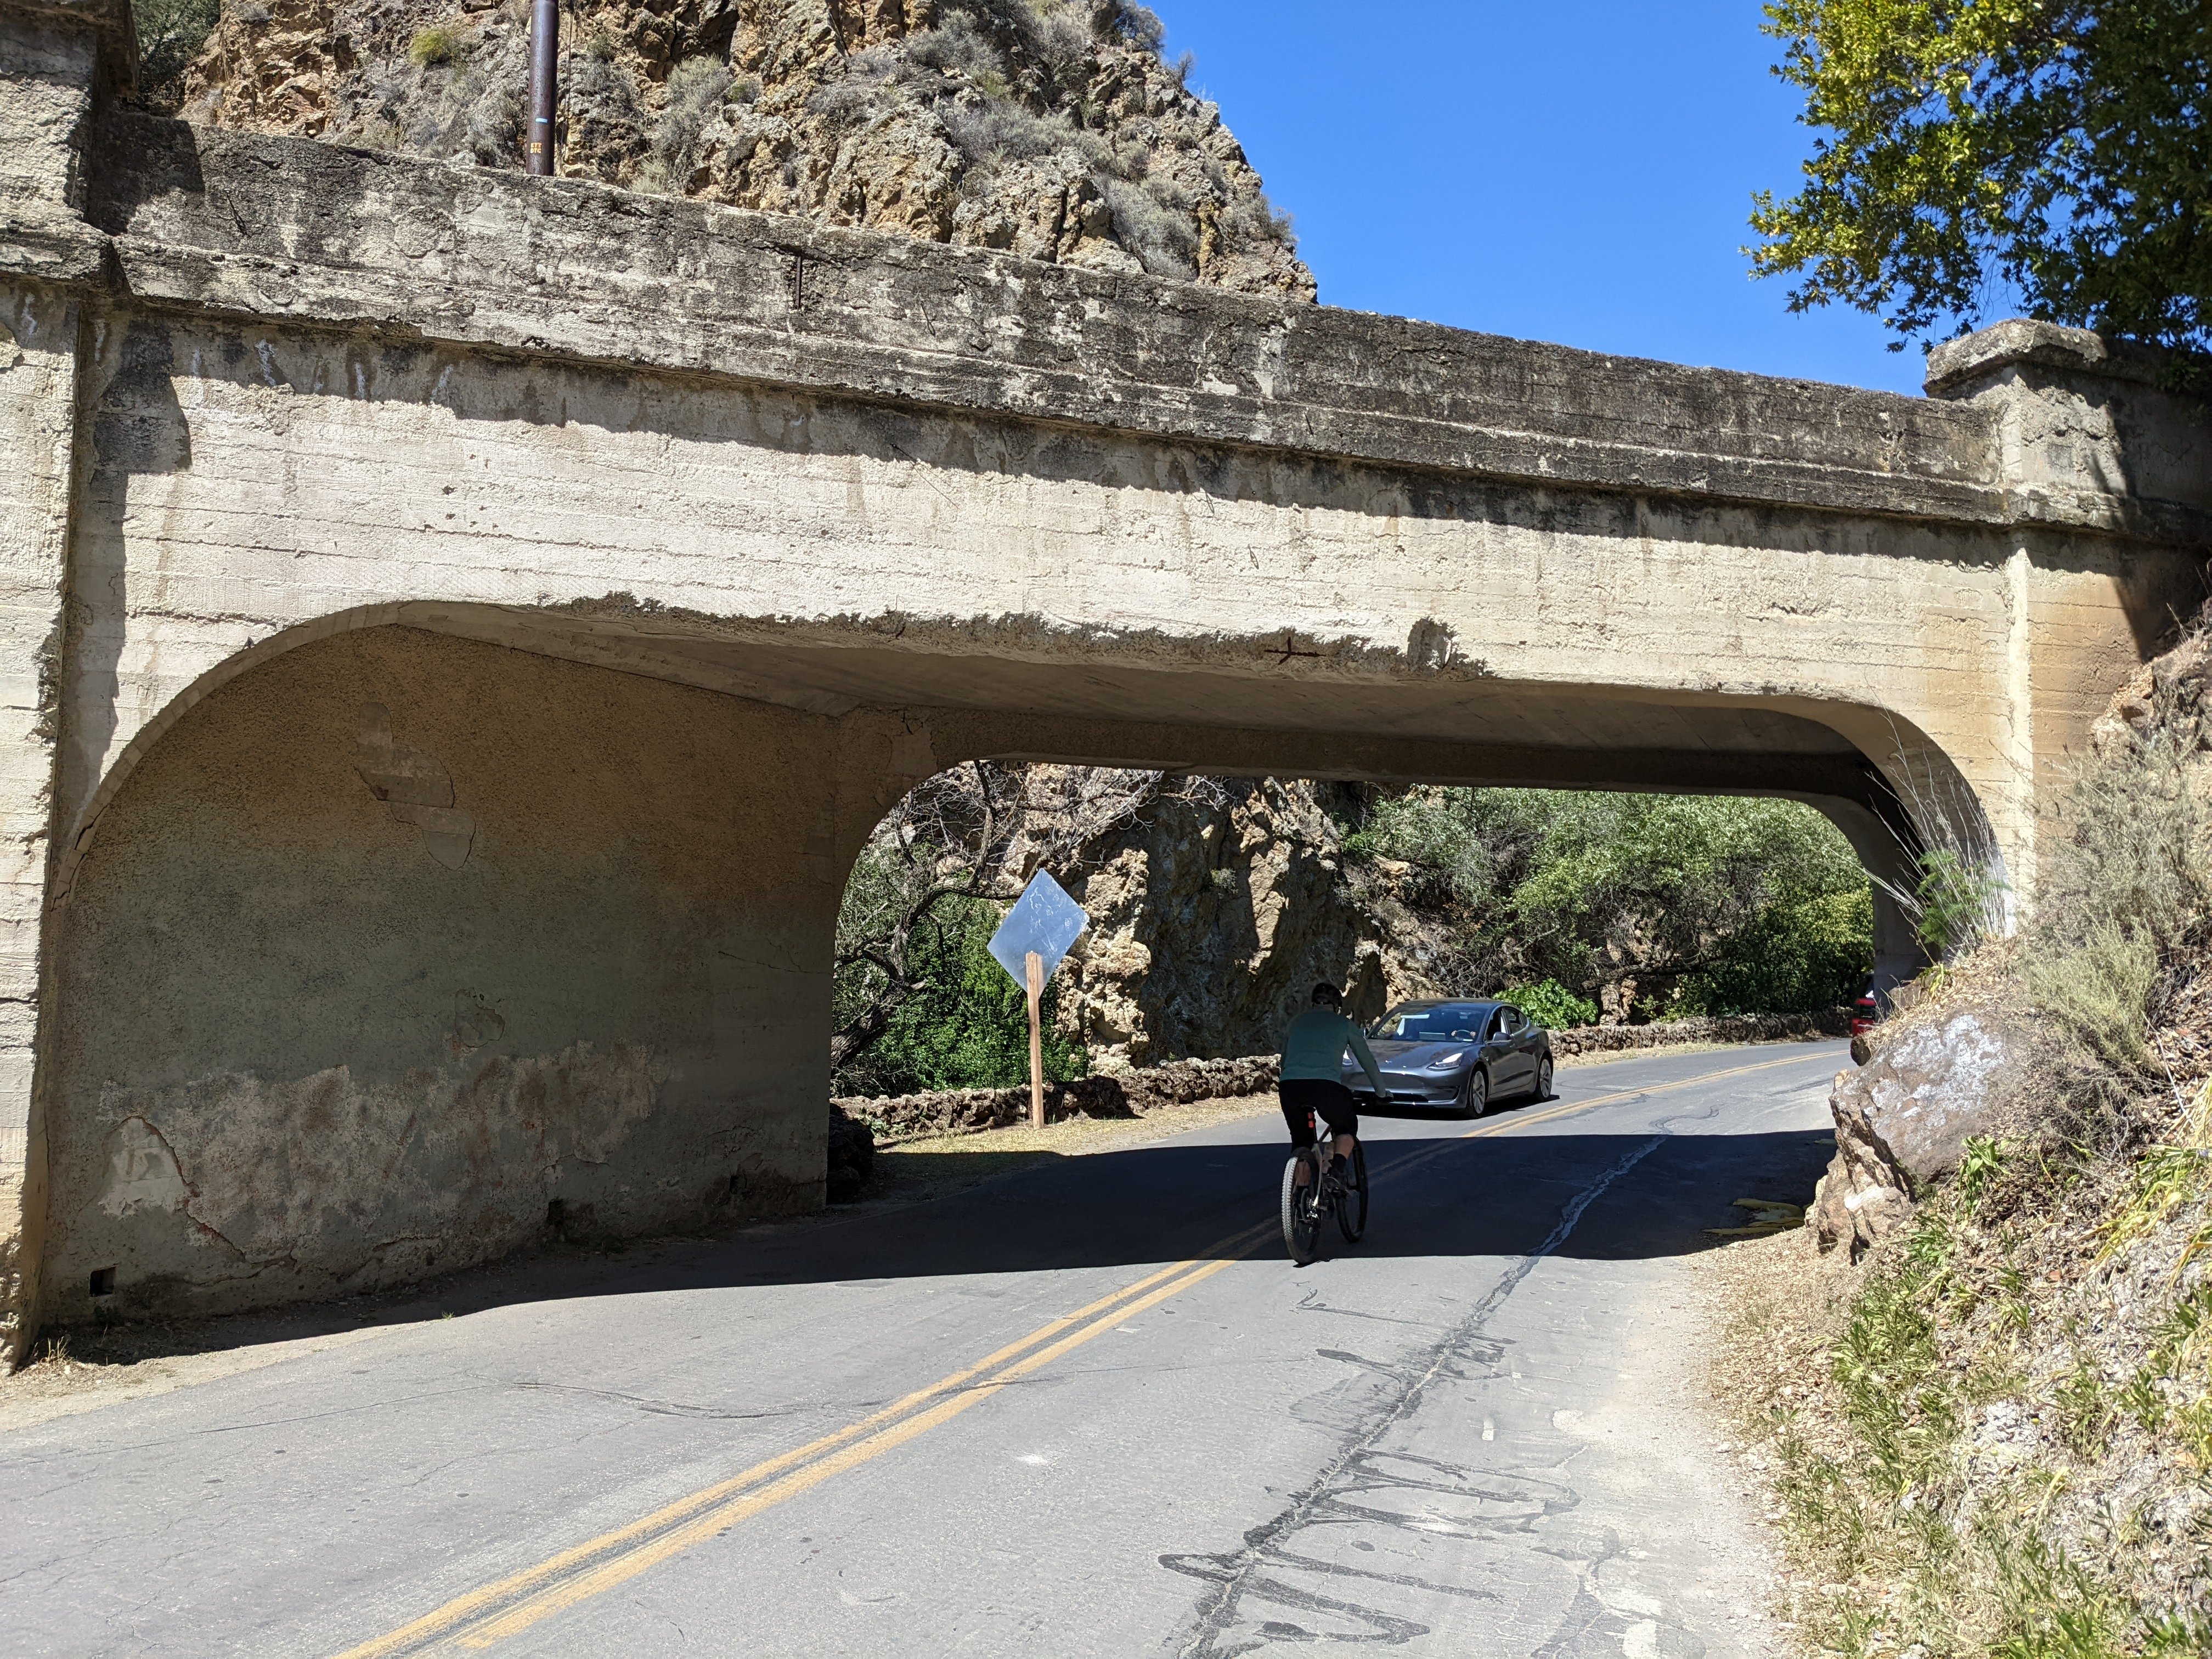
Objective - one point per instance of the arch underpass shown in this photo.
(393, 938)
(465, 625)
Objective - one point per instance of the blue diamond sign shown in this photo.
(1044, 920)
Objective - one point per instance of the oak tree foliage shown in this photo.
(2053, 155)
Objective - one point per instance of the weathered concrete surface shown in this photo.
(334, 1052)
(37, 430)
(925, 504)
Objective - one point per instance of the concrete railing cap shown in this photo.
(2018, 341)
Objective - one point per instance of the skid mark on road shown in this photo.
(1365, 1483)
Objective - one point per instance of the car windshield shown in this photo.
(1437, 1021)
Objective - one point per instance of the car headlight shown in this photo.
(1445, 1062)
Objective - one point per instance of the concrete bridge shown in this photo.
(460, 628)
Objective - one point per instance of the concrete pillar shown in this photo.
(38, 417)
(2088, 435)
(54, 60)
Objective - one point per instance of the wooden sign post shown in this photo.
(1035, 963)
(1031, 944)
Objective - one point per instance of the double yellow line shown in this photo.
(476, 1621)
(482, 1618)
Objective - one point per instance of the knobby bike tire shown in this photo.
(1351, 1204)
(1301, 1217)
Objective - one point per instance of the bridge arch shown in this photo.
(403, 934)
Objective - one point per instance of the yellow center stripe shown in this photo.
(483, 1617)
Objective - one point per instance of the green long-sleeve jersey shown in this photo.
(1314, 1049)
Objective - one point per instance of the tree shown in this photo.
(2060, 148)
(1681, 904)
(911, 971)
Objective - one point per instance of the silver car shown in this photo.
(1453, 1057)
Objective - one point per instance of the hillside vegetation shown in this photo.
(1992, 1435)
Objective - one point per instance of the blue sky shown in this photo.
(1579, 171)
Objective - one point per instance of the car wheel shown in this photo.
(1543, 1079)
(1474, 1094)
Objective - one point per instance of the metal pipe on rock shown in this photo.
(539, 137)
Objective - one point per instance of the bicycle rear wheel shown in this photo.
(1301, 1214)
(1351, 1204)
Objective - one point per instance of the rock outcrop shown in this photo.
(1931, 1077)
(1904, 1119)
(1051, 128)
(1213, 916)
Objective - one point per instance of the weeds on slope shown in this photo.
(1974, 1451)
(1992, 1439)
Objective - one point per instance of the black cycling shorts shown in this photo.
(1303, 1097)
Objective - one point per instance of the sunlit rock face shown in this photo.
(1051, 128)
(1213, 916)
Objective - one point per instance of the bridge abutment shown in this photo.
(400, 951)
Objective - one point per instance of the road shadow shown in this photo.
(1435, 1194)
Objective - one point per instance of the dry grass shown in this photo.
(941, 1163)
(1991, 1437)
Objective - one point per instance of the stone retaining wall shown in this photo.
(1736, 1028)
(1133, 1094)
(1130, 1094)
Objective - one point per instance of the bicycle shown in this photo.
(1307, 1208)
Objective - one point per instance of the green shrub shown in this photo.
(1550, 1004)
(442, 43)
(1961, 903)
(170, 35)
(1712, 905)
(2098, 993)
(969, 1028)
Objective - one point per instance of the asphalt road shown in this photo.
(1088, 1408)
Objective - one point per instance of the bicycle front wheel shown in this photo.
(1352, 1203)
(1300, 1214)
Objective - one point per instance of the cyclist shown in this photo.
(1313, 1074)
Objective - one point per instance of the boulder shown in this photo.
(1903, 1119)
(852, 1156)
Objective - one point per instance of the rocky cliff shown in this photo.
(1214, 912)
(1051, 128)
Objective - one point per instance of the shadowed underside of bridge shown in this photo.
(465, 626)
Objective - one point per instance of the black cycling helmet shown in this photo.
(1328, 996)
